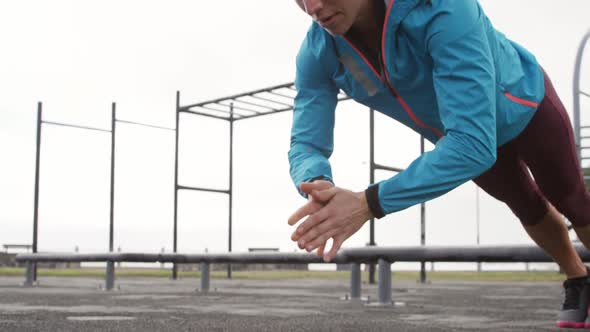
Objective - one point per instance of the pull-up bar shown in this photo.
(40, 122)
(112, 131)
(75, 126)
(145, 125)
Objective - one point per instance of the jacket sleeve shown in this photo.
(464, 82)
(312, 132)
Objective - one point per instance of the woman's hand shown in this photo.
(342, 214)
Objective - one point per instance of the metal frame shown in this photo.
(578, 92)
(40, 123)
(272, 100)
(112, 131)
(385, 256)
(261, 102)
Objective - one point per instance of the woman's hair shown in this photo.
(300, 4)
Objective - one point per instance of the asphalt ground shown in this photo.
(158, 304)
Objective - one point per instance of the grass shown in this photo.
(509, 276)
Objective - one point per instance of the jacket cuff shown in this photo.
(321, 177)
(372, 195)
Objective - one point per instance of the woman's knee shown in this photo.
(576, 207)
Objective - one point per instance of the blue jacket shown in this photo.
(445, 72)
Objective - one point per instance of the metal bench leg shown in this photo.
(110, 277)
(384, 282)
(204, 277)
(29, 274)
(355, 282)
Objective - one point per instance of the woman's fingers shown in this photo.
(307, 209)
(324, 196)
(336, 244)
(313, 221)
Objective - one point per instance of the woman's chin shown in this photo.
(336, 31)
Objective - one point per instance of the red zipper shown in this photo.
(367, 62)
(384, 77)
(405, 106)
(520, 100)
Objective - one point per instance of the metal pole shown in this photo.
(355, 282)
(204, 277)
(110, 273)
(477, 222)
(231, 165)
(174, 245)
(384, 282)
(37, 174)
(112, 216)
(29, 274)
(422, 224)
(371, 181)
(110, 276)
(577, 73)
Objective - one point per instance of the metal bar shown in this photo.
(214, 109)
(422, 225)
(244, 117)
(30, 274)
(388, 168)
(241, 108)
(292, 88)
(231, 173)
(112, 196)
(384, 282)
(110, 276)
(477, 222)
(37, 182)
(203, 114)
(76, 126)
(203, 189)
(576, 86)
(145, 125)
(238, 95)
(272, 101)
(175, 228)
(372, 181)
(584, 93)
(585, 127)
(205, 277)
(498, 254)
(281, 95)
(252, 104)
(585, 137)
(355, 282)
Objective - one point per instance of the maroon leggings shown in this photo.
(547, 148)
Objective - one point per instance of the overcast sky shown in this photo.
(79, 56)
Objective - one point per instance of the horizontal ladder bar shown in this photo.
(252, 104)
(203, 189)
(272, 101)
(281, 86)
(241, 108)
(203, 114)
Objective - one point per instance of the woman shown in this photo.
(441, 68)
